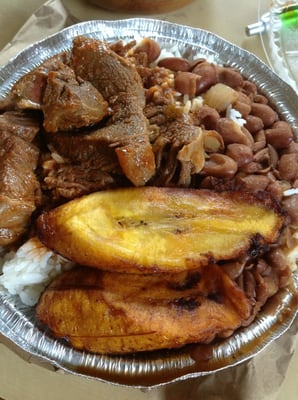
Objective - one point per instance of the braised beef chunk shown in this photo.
(122, 48)
(75, 166)
(118, 81)
(69, 181)
(81, 147)
(179, 152)
(94, 61)
(69, 103)
(19, 124)
(28, 91)
(18, 186)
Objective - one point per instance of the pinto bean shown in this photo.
(249, 88)
(229, 76)
(259, 98)
(267, 285)
(273, 156)
(260, 141)
(150, 47)
(254, 124)
(277, 188)
(244, 98)
(254, 183)
(251, 168)
(262, 158)
(265, 112)
(175, 64)
(196, 61)
(208, 76)
(277, 259)
(272, 283)
(233, 133)
(291, 206)
(220, 165)
(186, 83)
(207, 117)
(262, 161)
(292, 148)
(249, 284)
(241, 153)
(243, 105)
(288, 166)
(280, 135)
(249, 137)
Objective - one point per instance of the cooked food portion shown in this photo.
(118, 81)
(19, 187)
(118, 148)
(160, 229)
(184, 145)
(189, 177)
(68, 181)
(93, 60)
(18, 123)
(114, 313)
(27, 92)
(70, 103)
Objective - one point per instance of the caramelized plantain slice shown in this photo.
(160, 229)
(109, 312)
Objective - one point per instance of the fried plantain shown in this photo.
(110, 312)
(151, 229)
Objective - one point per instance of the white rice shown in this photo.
(172, 50)
(29, 270)
(290, 192)
(168, 52)
(235, 116)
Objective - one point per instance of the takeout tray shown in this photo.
(17, 322)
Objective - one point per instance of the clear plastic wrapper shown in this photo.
(280, 37)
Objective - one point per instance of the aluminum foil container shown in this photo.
(17, 322)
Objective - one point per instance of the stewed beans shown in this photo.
(246, 146)
(257, 150)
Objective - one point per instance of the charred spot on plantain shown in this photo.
(190, 281)
(186, 303)
(257, 246)
(126, 223)
(178, 231)
(217, 297)
(275, 205)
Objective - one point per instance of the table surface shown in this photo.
(20, 379)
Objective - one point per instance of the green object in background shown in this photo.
(289, 16)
